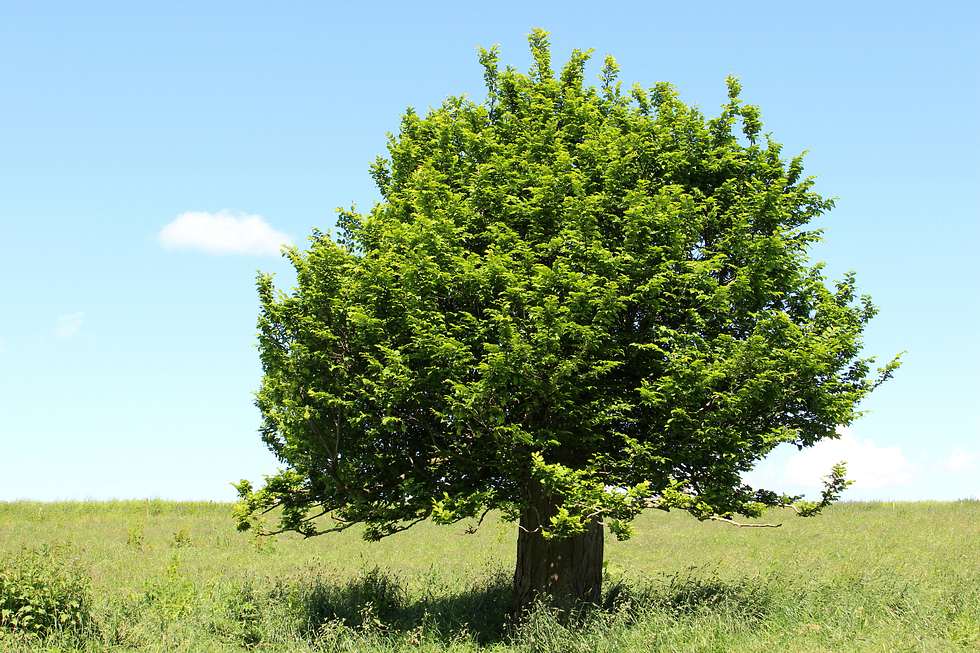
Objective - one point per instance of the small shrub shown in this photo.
(173, 595)
(181, 538)
(42, 592)
(134, 538)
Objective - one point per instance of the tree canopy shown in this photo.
(596, 292)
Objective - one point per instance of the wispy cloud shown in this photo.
(68, 325)
(223, 232)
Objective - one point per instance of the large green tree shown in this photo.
(571, 304)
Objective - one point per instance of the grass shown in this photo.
(167, 576)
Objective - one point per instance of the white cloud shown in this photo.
(223, 232)
(870, 466)
(68, 325)
(961, 461)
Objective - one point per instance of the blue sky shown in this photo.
(127, 356)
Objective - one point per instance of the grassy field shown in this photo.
(177, 577)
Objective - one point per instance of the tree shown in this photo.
(571, 304)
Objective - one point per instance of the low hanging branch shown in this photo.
(731, 521)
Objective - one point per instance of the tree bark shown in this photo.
(563, 572)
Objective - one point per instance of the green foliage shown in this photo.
(134, 537)
(606, 294)
(42, 592)
(173, 595)
(181, 539)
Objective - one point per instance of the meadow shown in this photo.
(163, 576)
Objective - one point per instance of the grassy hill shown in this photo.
(163, 576)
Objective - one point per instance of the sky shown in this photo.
(154, 156)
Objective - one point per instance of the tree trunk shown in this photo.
(563, 572)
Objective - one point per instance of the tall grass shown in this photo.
(162, 576)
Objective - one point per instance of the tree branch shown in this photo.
(728, 520)
(470, 530)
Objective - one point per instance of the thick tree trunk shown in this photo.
(563, 572)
